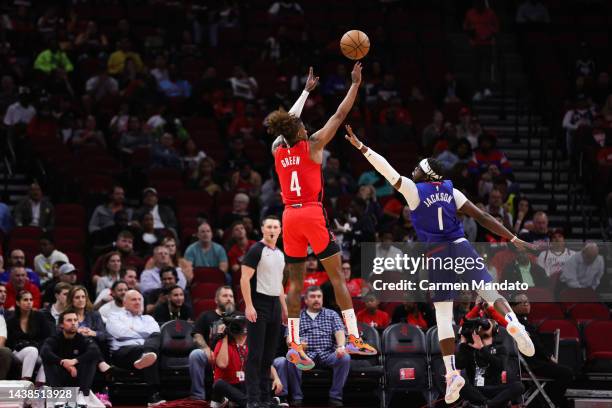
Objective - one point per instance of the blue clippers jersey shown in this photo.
(435, 218)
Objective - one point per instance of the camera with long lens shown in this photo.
(471, 326)
(235, 324)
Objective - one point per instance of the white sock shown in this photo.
(350, 320)
(449, 363)
(294, 329)
(511, 317)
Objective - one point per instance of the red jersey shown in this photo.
(299, 176)
(236, 363)
(380, 319)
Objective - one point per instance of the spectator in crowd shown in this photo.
(337, 181)
(482, 26)
(124, 244)
(206, 253)
(435, 131)
(118, 291)
(539, 234)
(495, 207)
(323, 331)
(159, 296)
(6, 219)
(483, 358)
(17, 258)
(532, 12)
(174, 86)
(160, 72)
(66, 273)
(556, 255)
(163, 216)
(53, 312)
(90, 42)
(88, 136)
(69, 359)
(443, 153)
(8, 92)
(19, 282)
(240, 209)
(543, 363)
(451, 90)
(151, 278)
(134, 137)
(175, 307)
(205, 178)
(525, 271)
(43, 262)
(20, 113)
(372, 315)
(135, 340)
(285, 8)
(243, 86)
(35, 210)
(117, 60)
(488, 154)
(585, 64)
(175, 257)
(101, 85)
(241, 245)
(580, 117)
(408, 312)
(192, 155)
(110, 271)
(5, 352)
(583, 269)
(206, 332)
(3, 295)
(147, 237)
(27, 330)
(164, 154)
(129, 275)
(104, 214)
(357, 287)
(245, 179)
(53, 59)
(523, 215)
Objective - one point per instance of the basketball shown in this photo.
(355, 44)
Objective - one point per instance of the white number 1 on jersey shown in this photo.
(440, 223)
(295, 184)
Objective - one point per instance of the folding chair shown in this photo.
(537, 384)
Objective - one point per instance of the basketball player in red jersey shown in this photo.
(298, 161)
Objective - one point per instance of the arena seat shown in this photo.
(570, 351)
(26, 232)
(204, 290)
(542, 311)
(175, 345)
(208, 275)
(405, 358)
(597, 335)
(585, 312)
(70, 215)
(203, 305)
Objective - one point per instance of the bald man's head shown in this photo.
(590, 253)
(133, 302)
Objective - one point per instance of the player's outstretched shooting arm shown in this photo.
(404, 185)
(323, 136)
(296, 110)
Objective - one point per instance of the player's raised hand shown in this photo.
(356, 73)
(350, 136)
(312, 81)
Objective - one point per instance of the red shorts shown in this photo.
(307, 225)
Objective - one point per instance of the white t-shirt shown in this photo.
(109, 309)
(552, 262)
(35, 213)
(16, 114)
(410, 192)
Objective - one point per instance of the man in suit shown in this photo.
(163, 216)
(35, 210)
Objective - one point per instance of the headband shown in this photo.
(424, 165)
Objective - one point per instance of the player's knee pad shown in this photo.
(444, 319)
(490, 296)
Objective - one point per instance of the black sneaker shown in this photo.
(334, 403)
(155, 399)
(296, 403)
(275, 403)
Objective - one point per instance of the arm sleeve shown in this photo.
(410, 192)
(459, 197)
(252, 257)
(296, 109)
(47, 352)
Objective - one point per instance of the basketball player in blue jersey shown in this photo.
(434, 205)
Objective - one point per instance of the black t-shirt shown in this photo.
(162, 313)
(204, 325)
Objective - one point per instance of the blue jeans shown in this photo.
(291, 377)
(197, 371)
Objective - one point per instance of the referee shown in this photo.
(262, 289)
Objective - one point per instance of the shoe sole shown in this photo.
(361, 353)
(145, 361)
(453, 396)
(294, 358)
(523, 341)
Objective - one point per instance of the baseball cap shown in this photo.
(149, 190)
(65, 269)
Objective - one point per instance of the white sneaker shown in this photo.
(520, 335)
(477, 97)
(487, 93)
(454, 383)
(146, 360)
(93, 401)
(222, 404)
(81, 400)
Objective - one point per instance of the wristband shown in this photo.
(360, 145)
(339, 347)
(514, 239)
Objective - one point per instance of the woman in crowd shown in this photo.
(27, 330)
(110, 272)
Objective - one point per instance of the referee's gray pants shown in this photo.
(262, 340)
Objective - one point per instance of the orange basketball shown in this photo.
(355, 44)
